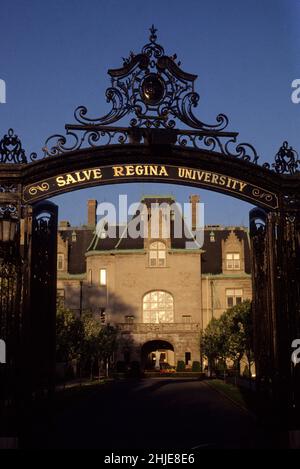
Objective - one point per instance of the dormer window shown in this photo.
(233, 261)
(74, 236)
(157, 254)
(212, 237)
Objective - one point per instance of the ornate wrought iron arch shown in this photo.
(154, 94)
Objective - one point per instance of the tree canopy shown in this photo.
(84, 338)
(230, 336)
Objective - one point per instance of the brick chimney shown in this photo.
(92, 209)
(194, 200)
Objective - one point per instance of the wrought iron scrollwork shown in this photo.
(9, 188)
(57, 145)
(152, 90)
(8, 209)
(153, 87)
(222, 142)
(286, 160)
(11, 150)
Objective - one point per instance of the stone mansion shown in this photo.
(160, 294)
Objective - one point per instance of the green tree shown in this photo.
(91, 345)
(85, 339)
(239, 333)
(213, 342)
(107, 344)
(100, 342)
(69, 335)
(230, 336)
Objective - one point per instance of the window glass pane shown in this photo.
(102, 277)
(157, 251)
(238, 292)
(229, 292)
(158, 307)
(238, 300)
(236, 256)
(90, 276)
(154, 317)
(162, 316)
(229, 301)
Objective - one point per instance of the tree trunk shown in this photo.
(99, 368)
(91, 373)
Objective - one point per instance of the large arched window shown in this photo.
(157, 254)
(158, 306)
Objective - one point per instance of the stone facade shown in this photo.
(159, 294)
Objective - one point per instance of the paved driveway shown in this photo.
(152, 413)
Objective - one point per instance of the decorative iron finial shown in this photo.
(154, 93)
(286, 160)
(153, 35)
(11, 150)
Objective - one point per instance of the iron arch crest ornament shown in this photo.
(151, 86)
(153, 96)
(154, 92)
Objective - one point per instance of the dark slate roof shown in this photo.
(212, 256)
(78, 248)
(123, 241)
(88, 240)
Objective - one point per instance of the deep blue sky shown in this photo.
(54, 56)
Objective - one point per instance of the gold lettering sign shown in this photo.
(79, 176)
(211, 178)
(152, 173)
(139, 170)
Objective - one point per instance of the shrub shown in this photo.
(196, 366)
(180, 365)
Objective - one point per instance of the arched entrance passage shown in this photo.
(154, 94)
(156, 352)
